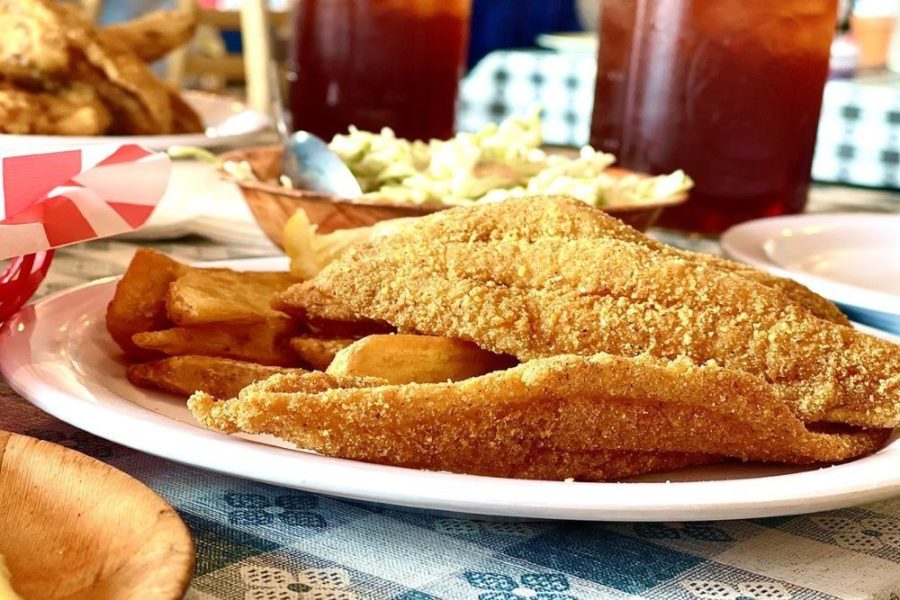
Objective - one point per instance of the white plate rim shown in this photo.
(745, 243)
(68, 398)
(154, 142)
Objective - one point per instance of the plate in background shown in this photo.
(853, 259)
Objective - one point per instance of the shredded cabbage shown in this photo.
(497, 162)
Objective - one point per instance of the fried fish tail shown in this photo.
(151, 36)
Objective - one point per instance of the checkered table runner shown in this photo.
(859, 132)
(260, 542)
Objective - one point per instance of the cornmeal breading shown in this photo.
(537, 277)
(564, 403)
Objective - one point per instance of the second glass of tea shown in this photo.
(377, 63)
(728, 90)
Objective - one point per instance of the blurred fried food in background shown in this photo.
(152, 36)
(73, 111)
(61, 76)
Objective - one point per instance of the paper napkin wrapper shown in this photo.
(63, 197)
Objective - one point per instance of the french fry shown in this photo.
(139, 303)
(266, 342)
(310, 252)
(203, 296)
(400, 358)
(319, 352)
(184, 375)
(152, 36)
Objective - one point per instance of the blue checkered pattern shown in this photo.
(859, 132)
(261, 542)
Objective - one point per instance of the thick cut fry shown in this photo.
(139, 302)
(266, 342)
(203, 296)
(184, 375)
(569, 403)
(318, 352)
(536, 290)
(310, 251)
(151, 36)
(401, 358)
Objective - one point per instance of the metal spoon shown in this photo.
(305, 158)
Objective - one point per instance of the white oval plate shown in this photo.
(852, 259)
(58, 355)
(229, 122)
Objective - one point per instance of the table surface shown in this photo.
(260, 542)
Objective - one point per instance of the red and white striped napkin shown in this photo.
(57, 198)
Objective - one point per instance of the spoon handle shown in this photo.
(278, 114)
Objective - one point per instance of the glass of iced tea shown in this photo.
(728, 90)
(377, 63)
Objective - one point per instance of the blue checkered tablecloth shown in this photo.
(859, 132)
(260, 542)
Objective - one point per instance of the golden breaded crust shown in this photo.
(540, 217)
(540, 288)
(564, 403)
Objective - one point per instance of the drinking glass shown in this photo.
(377, 63)
(728, 90)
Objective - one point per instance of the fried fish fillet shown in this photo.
(72, 111)
(497, 458)
(151, 36)
(140, 103)
(538, 277)
(564, 403)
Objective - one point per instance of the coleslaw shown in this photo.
(496, 162)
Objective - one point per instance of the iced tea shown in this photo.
(728, 90)
(378, 63)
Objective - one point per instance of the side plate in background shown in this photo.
(852, 259)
